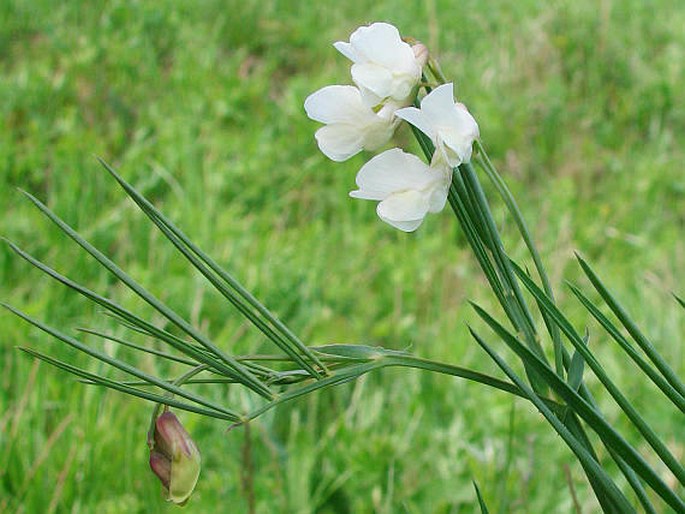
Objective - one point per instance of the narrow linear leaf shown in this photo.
(249, 380)
(131, 391)
(575, 370)
(130, 318)
(571, 421)
(338, 377)
(632, 328)
(218, 277)
(653, 375)
(595, 420)
(527, 325)
(481, 502)
(116, 363)
(591, 466)
(626, 406)
(143, 349)
(512, 206)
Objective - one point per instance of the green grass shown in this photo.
(200, 106)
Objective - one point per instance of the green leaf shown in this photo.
(626, 406)
(246, 377)
(591, 466)
(143, 349)
(609, 436)
(575, 370)
(481, 502)
(131, 319)
(225, 283)
(121, 365)
(131, 391)
(654, 376)
(633, 329)
(512, 206)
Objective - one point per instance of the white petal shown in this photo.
(379, 42)
(402, 88)
(369, 98)
(404, 210)
(467, 122)
(437, 199)
(390, 172)
(458, 150)
(438, 193)
(438, 105)
(404, 226)
(347, 50)
(418, 119)
(334, 104)
(377, 132)
(376, 78)
(444, 156)
(339, 142)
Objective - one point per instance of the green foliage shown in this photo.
(200, 107)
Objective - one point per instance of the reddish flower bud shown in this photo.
(174, 458)
(421, 53)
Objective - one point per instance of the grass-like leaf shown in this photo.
(512, 206)
(576, 368)
(200, 354)
(612, 330)
(247, 378)
(608, 487)
(626, 406)
(119, 364)
(225, 283)
(481, 501)
(131, 391)
(137, 347)
(642, 341)
(512, 290)
(592, 417)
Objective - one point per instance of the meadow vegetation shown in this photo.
(199, 105)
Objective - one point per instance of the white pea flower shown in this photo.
(385, 67)
(449, 125)
(406, 187)
(351, 126)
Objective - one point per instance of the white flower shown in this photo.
(385, 67)
(350, 125)
(449, 125)
(406, 187)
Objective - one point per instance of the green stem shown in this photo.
(512, 206)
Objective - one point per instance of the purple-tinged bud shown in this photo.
(161, 466)
(420, 53)
(174, 458)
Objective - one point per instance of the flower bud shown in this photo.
(421, 53)
(174, 458)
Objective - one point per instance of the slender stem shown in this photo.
(515, 212)
(247, 474)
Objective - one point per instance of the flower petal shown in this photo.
(390, 172)
(441, 177)
(334, 104)
(418, 119)
(371, 76)
(438, 105)
(340, 141)
(378, 42)
(347, 50)
(404, 210)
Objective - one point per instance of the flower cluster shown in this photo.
(387, 74)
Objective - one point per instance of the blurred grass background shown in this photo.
(199, 104)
